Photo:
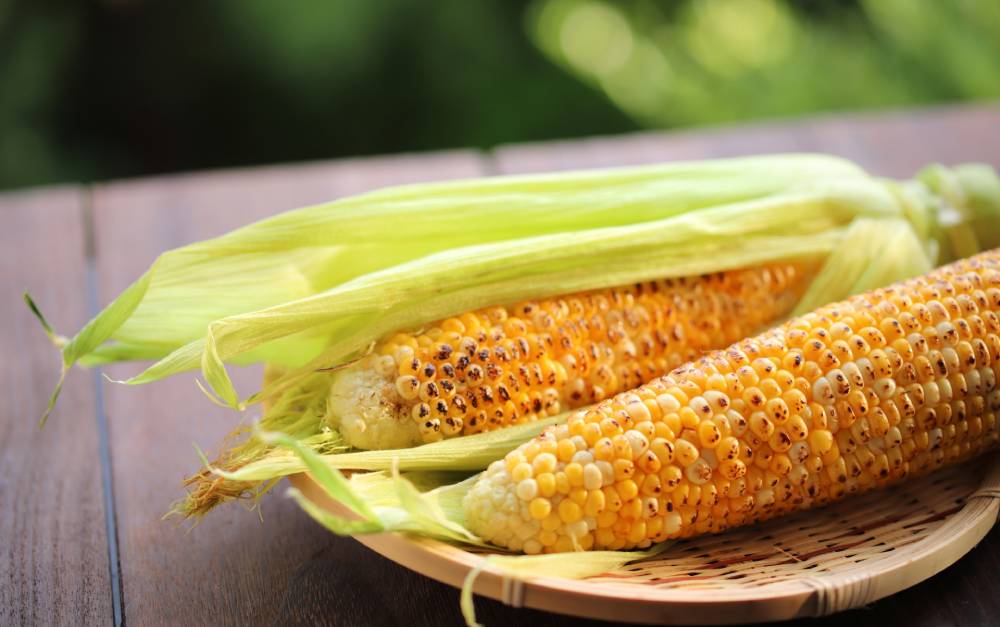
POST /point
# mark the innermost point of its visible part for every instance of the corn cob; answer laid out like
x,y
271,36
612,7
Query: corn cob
x,y
507,365
855,395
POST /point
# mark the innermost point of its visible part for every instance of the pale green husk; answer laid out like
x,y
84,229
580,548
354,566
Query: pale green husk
x,y
425,503
328,280
312,289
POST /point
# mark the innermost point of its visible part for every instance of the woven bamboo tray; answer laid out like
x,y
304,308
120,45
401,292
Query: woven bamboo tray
x,y
811,563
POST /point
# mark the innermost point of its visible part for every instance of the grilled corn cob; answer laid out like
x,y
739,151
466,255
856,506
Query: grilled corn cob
x,y
889,384
508,365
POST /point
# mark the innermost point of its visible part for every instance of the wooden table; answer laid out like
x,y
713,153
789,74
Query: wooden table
x,y
81,502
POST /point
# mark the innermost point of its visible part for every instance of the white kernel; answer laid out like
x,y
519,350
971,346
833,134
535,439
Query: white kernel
x,y
867,370
527,489
885,388
672,523
544,462
592,477
893,437
944,386
668,403
934,439
989,379
577,529
799,452
822,391
637,441
932,394
607,471
699,472
974,381
385,365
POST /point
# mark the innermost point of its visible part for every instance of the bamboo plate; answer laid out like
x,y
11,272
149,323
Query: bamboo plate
x,y
811,563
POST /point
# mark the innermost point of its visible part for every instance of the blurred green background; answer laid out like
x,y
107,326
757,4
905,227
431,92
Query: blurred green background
x,y
92,90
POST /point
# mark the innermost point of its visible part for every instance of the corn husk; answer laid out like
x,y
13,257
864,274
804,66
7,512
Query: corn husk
x,y
312,289
425,503
309,291
328,280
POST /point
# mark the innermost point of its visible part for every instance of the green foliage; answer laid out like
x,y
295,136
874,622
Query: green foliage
x,y
100,89
700,61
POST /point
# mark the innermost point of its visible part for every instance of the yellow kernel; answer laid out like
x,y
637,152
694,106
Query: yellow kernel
x,y
689,419
727,448
627,489
565,450
594,504
540,508
708,434
521,472
513,459
685,452
591,432
637,532
631,510
603,450
623,469
780,464
671,475
732,468
820,441
551,522
574,474
569,511
546,484
562,483
544,462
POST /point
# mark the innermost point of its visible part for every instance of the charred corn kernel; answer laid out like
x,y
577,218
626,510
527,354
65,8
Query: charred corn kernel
x,y
875,413
535,359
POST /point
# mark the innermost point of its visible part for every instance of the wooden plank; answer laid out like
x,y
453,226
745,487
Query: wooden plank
x,y
886,143
232,568
54,564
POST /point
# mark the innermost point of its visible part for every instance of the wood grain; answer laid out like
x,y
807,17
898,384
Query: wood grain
x,y
892,143
232,568
53,548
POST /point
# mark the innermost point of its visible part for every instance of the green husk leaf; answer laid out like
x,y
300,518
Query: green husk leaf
x,y
382,502
298,412
468,453
458,280
333,277
295,255
872,253
335,484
